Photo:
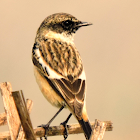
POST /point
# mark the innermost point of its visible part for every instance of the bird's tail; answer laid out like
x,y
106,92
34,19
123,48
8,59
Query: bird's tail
x,y
86,128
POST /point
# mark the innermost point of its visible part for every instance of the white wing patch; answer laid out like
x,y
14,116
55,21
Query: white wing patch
x,y
52,73
83,75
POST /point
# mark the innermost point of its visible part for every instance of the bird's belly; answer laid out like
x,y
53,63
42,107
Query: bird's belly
x,y
47,90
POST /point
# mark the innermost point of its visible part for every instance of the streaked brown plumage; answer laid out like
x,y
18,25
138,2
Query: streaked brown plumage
x,y
61,57
58,66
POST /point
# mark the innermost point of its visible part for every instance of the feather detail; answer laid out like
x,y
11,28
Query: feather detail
x,y
59,60
61,65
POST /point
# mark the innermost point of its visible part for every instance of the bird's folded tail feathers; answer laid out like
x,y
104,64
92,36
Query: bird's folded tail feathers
x,y
86,128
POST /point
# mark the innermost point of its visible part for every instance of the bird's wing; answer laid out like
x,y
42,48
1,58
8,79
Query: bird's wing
x,y
73,92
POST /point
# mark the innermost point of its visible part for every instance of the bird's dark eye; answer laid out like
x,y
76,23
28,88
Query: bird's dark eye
x,y
68,24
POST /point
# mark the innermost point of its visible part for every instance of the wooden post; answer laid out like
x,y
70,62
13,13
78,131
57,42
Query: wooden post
x,y
11,116
10,109
98,130
24,115
21,134
3,117
3,121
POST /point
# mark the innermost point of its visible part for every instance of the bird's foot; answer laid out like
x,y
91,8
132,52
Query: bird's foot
x,y
65,135
46,127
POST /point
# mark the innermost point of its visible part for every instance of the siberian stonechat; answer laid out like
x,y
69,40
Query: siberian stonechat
x,y
58,66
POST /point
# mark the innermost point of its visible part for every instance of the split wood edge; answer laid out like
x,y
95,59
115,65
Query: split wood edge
x,y
3,117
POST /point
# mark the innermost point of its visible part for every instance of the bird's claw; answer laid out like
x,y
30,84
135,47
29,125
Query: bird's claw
x,y
65,135
46,127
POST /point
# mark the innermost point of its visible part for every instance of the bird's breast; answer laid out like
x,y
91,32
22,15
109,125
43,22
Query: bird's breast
x,y
47,90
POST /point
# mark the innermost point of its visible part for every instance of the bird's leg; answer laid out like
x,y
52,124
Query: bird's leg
x,y
65,126
46,126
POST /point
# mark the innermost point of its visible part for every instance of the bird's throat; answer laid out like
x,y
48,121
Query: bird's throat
x,y
68,38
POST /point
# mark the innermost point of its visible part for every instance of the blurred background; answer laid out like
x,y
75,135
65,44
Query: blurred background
x,y
110,50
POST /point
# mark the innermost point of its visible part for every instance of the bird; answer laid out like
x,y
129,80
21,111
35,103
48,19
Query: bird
x,y
58,67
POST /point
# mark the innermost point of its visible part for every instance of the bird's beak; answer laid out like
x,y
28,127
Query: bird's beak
x,y
84,24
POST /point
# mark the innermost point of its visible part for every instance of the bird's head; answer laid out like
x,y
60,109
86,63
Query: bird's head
x,y
62,23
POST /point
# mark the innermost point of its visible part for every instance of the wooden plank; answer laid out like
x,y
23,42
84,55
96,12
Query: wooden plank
x,y
21,134
3,118
10,109
24,115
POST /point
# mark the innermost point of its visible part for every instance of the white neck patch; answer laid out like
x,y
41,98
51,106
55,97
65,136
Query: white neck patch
x,y
62,37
